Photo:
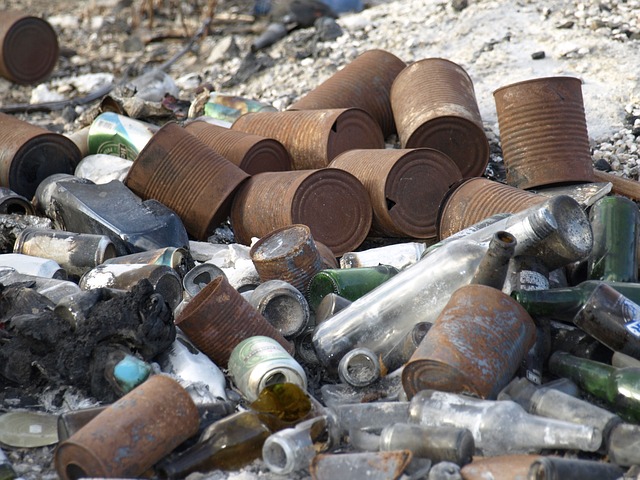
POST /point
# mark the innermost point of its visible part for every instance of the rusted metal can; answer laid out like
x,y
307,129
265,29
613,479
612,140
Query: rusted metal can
x,y
331,202
11,202
405,186
29,154
434,105
475,346
178,170
543,132
315,137
502,467
258,362
218,318
77,253
132,434
252,153
472,200
289,254
364,83
28,47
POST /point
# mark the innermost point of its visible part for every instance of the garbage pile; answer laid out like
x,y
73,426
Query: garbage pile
x,y
284,289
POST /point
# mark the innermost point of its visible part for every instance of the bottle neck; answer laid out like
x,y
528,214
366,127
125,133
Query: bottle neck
x,y
594,377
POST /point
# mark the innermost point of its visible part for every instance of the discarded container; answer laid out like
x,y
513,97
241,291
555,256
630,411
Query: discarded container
x,y
218,318
178,170
12,203
331,202
114,134
363,83
26,429
175,257
230,107
283,305
359,367
475,199
401,353
35,265
28,48
556,468
314,138
399,255
474,347
434,106
372,465
406,187
29,154
501,467
132,434
51,288
543,131
252,153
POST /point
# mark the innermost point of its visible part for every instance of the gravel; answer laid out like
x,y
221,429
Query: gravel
x,y
498,42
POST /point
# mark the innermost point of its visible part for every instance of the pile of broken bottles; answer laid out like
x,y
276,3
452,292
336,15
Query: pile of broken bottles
x,y
495,330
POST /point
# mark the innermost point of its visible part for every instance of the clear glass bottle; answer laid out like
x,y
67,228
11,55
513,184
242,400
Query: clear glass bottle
x,y
501,427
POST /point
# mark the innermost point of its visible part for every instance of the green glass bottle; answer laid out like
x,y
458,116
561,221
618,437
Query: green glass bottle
x,y
6,470
619,387
349,283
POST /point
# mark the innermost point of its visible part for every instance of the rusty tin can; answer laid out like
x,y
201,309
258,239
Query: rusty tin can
x,y
132,434
434,105
252,153
218,318
289,254
364,83
315,137
543,132
405,186
29,154
475,346
331,202
28,48
502,467
181,172
474,199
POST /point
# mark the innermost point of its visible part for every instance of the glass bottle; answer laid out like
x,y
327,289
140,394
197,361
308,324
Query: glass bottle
x,y
399,255
619,387
6,469
501,427
557,468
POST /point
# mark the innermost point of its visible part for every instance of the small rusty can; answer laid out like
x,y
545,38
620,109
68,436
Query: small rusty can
x,y
28,48
405,186
331,202
364,83
132,434
543,132
257,362
252,153
178,170
315,137
434,105
475,346
474,199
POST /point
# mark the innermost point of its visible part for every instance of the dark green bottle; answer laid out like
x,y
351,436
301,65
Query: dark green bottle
x,y
619,387
349,283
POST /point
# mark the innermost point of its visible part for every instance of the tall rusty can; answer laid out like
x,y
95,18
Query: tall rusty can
x,y
405,186
289,254
364,83
475,345
181,172
218,318
252,153
331,202
132,434
29,154
315,137
543,132
28,48
434,105
475,199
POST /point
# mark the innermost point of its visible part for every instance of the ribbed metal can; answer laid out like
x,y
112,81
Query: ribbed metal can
x,y
132,434
218,318
543,132
28,48
475,199
29,154
331,202
364,83
181,172
434,105
405,186
475,346
252,153
315,137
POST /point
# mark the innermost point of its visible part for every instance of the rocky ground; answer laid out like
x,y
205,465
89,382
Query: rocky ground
x,y
495,41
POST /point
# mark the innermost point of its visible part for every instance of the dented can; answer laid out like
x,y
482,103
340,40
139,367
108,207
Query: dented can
x,y
177,258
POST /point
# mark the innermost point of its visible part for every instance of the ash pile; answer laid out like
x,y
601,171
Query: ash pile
x,y
365,282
